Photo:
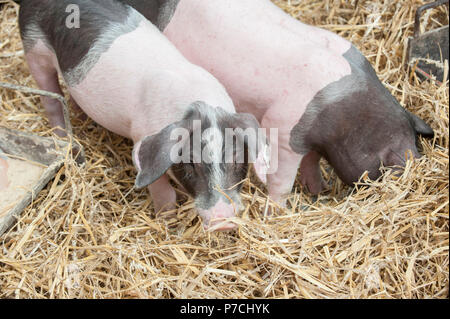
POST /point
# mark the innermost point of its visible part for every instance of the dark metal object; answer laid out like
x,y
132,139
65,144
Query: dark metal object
x,y
428,51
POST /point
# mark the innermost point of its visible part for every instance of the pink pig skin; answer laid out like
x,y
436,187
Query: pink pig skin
x,y
274,85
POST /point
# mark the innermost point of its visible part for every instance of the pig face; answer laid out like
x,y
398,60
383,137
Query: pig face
x,y
356,124
195,150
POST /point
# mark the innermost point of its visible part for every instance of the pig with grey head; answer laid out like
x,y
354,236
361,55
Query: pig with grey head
x,y
123,73
314,86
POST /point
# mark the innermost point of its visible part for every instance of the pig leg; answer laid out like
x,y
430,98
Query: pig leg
x,y
78,110
163,194
310,175
46,78
280,182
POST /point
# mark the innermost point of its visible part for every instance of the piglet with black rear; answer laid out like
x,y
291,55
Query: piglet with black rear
x,y
312,85
125,75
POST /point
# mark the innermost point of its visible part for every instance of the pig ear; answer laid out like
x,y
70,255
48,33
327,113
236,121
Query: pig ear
x,y
151,156
262,161
420,126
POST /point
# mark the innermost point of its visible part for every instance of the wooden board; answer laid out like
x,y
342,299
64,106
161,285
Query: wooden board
x,y
27,163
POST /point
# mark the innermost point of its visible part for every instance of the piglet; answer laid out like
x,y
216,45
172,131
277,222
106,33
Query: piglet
x,y
124,74
314,86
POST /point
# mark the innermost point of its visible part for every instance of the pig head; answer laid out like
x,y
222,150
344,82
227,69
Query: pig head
x,y
194,149
356,124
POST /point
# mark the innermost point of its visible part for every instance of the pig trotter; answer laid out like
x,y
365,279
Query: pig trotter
x,y
163,195
310,175
280,183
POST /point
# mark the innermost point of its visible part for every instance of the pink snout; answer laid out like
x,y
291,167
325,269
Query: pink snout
x,y
215,218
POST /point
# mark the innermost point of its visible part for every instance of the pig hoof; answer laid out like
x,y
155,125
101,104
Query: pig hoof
x,y
60,132
313,186
220,226
82,116
279,204
165,209
78,154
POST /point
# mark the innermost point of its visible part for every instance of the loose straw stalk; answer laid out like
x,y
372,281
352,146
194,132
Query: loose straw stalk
x,y
44,93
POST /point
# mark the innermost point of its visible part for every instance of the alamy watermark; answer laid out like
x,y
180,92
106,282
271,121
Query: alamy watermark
x,y
73,17
233,145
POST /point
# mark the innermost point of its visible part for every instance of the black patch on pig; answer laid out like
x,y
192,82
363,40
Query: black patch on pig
x,y
159,12
356,124
195,177
47,18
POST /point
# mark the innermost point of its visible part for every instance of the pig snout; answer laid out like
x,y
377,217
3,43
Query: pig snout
x,y
399,158
215,218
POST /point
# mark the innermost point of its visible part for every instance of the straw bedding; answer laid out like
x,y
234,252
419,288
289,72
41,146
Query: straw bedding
x,y
89,234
